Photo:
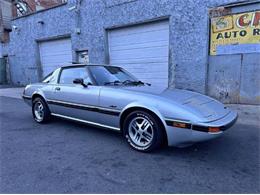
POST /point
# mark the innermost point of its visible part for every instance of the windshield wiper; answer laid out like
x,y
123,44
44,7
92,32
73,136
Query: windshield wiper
x,y
127,82
113,82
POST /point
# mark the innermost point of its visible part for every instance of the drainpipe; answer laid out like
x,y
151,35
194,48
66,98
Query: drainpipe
x,y
78,3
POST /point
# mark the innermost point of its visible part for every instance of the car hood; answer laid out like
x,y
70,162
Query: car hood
x,y
206,108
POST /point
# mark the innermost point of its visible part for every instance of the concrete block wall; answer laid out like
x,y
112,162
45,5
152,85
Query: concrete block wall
x,y
250,80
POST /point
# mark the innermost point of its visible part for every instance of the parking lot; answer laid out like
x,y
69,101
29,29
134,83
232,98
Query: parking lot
x,y
67,157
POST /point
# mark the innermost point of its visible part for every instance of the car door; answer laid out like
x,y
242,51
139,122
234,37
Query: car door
x,y
75,100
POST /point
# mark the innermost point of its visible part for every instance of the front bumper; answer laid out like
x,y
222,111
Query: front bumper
x,y
27,99
198,132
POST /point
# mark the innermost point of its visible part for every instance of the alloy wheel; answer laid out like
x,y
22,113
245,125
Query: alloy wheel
x,y
38,111
141,131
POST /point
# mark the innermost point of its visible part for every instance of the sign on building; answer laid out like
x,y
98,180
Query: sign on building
x,y
238,33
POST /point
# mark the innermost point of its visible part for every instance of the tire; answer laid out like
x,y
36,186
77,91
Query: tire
x,y
40,111
143,131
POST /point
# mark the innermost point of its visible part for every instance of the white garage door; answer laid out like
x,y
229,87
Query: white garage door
x,y
142,50
54,54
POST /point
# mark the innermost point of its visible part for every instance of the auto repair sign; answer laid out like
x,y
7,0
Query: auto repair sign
x,y
238,33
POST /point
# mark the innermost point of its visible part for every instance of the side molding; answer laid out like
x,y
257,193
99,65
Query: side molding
x,y
85,107
86,122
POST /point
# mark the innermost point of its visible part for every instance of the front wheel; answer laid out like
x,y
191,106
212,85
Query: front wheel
x,y
40,111
143,131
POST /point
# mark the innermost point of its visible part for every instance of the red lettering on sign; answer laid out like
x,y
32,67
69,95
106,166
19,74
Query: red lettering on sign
x,y
256,20
241,21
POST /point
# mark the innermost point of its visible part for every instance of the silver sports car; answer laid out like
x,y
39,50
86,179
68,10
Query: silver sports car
x,y
112,98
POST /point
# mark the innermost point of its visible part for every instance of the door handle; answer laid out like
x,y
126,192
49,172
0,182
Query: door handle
x,y
57,88
112,106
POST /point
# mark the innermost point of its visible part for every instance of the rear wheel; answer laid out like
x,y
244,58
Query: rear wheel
x,y
40,111
143,131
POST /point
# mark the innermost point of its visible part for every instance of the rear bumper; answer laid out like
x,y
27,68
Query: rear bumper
x,y
199,132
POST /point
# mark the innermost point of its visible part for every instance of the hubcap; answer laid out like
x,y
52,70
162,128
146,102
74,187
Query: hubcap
x,y
141,131
38,111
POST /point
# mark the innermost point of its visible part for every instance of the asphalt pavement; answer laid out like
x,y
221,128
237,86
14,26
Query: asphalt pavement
x,y
67,157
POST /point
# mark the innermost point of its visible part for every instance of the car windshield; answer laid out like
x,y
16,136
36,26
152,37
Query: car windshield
x,y
108,75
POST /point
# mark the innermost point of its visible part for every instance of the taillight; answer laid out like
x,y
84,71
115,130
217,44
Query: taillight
x,y
214,129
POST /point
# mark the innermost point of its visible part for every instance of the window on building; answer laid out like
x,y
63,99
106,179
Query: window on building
x,y
23,7
83,57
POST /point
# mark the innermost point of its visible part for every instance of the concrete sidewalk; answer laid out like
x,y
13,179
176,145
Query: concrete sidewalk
x,y
12,92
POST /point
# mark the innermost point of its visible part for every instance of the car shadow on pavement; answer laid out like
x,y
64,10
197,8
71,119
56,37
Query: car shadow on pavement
x,y
223,145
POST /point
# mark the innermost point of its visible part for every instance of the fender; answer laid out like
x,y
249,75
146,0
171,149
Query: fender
x,y
39,92
145,106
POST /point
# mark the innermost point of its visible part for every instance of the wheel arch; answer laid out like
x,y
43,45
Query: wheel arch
x,y
38,94
153,112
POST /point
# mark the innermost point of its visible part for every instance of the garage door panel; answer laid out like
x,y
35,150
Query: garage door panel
x,y
150,78
140,53
140,45
147,49
60,56
48,70
151,60
125,43
153,73
138,34
152,67
55,54
140,29
55,43
146,35
142,50
53,61
141,38
58,52
57,46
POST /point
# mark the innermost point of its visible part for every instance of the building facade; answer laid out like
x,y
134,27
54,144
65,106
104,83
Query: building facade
x,y
164,42
5,19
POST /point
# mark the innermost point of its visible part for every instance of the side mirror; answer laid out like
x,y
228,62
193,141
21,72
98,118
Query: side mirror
x,y
80,81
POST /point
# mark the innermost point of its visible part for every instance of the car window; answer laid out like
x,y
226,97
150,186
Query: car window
x,y
52,77
106,74
68,75
47,78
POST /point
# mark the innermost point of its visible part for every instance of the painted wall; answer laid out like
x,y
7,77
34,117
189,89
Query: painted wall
x,y
234,78
188,35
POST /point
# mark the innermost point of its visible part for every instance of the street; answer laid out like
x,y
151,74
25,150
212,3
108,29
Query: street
x,y
67,157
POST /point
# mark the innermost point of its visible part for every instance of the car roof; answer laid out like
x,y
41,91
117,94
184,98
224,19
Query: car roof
x,y
74,65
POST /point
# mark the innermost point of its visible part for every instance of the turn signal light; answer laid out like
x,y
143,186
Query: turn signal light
x,y
180,125
214,129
